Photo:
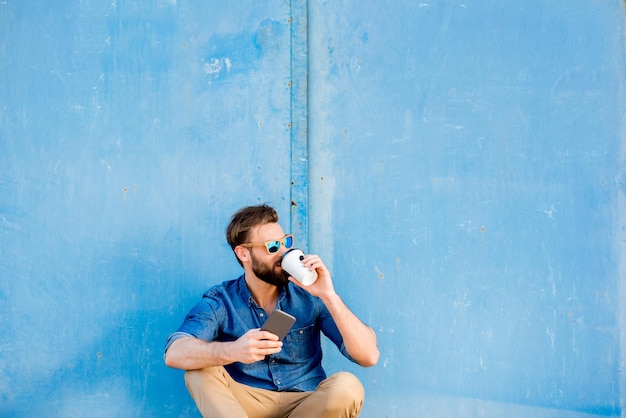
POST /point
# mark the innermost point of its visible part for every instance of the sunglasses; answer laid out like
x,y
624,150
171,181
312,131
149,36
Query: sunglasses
x,y
272,246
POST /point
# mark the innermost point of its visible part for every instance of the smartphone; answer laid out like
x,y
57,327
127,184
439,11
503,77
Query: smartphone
x,y
278,323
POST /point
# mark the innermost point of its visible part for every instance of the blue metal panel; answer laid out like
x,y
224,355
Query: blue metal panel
x,y
129,133
467,166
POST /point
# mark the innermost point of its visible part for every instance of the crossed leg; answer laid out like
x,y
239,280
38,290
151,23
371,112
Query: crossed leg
x,y
217,395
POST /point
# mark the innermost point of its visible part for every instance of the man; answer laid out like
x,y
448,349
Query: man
x,y
236,370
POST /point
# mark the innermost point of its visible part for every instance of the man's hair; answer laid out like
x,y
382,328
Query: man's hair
x,y
246,219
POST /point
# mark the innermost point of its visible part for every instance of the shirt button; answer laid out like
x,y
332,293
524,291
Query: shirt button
x,y
301,332
278,382
261,314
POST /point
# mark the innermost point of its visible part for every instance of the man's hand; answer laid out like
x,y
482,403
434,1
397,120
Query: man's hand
x,y
323,286
254,345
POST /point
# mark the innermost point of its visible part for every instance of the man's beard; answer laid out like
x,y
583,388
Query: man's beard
x,y
268,274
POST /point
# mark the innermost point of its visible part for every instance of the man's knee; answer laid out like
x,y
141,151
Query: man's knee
x,y
345,391
352,385
211,389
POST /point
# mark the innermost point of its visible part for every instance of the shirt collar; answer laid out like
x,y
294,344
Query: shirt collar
x,y
245,294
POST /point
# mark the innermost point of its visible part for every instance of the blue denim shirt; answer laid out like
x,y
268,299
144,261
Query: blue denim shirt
x,y
227,311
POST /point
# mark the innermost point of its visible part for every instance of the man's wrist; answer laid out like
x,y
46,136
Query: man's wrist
x,y
332,301
225,353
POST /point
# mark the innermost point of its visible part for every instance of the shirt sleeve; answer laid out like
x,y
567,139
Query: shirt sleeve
x,y
201,322
175,336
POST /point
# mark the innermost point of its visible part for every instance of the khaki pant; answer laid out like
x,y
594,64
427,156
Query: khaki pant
x,y
217,395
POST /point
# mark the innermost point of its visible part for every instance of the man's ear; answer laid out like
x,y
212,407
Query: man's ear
x,y
242,253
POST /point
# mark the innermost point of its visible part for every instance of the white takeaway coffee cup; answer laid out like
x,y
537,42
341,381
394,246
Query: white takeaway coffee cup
x,y
292,264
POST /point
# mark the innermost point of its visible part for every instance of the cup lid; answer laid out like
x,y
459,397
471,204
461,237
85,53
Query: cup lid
x,y
290,250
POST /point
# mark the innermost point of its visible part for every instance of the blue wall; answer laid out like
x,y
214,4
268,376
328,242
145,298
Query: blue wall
x,y
471,166
459,166
129,133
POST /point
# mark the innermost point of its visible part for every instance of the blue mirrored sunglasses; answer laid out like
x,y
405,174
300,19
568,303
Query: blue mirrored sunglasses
x,y
272,246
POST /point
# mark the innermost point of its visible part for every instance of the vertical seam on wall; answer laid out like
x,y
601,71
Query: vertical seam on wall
x,y
299,122
620,182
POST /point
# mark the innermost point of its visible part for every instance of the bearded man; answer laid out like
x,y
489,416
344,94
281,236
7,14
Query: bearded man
x,y
235,369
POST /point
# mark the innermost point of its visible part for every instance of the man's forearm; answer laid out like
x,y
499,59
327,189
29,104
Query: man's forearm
x,y
359,339
190,353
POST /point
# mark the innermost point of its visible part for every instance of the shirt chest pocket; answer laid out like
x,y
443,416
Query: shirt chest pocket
x,y
302,344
